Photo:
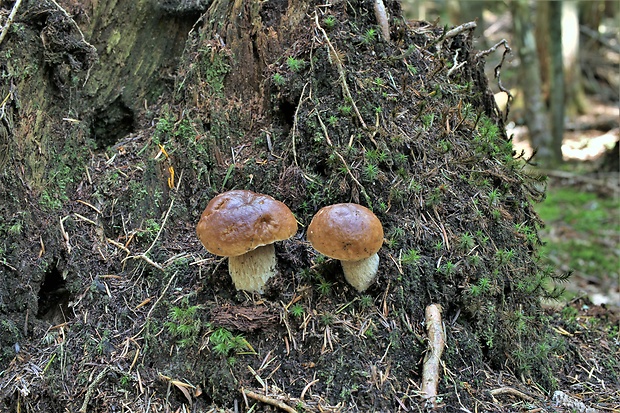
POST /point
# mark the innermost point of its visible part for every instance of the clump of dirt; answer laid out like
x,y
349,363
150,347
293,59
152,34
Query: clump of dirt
x,y
312,106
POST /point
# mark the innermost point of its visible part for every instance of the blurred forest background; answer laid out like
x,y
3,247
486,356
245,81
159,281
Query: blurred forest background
x,y
563,79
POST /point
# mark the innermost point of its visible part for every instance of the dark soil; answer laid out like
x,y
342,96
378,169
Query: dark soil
x,y
110,303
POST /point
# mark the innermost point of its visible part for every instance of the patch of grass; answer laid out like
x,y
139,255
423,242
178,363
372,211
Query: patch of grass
x,y
324,286
411,257
582,232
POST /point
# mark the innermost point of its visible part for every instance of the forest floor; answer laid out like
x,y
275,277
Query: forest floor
x,y
582,236
133,338
592,333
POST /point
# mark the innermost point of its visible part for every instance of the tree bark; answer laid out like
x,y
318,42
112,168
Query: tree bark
x,y
575,98
557,84
530,81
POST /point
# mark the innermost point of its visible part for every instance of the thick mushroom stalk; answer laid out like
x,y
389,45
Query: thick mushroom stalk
x,y
251,271
361,274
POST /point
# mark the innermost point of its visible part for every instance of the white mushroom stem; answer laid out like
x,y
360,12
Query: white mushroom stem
x,y
361,274
436,344
251,270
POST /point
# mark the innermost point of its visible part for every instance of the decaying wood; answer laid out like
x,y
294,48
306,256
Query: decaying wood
x,y
436,344
240,318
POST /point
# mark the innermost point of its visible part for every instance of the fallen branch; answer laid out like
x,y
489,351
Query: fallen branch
x,y
9,21
436,343
268,400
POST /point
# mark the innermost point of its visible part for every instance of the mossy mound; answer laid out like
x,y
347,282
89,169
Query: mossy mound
x,y
309,104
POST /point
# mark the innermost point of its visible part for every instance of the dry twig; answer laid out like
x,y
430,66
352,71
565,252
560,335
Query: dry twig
x,y
9,21
301,101
268,400
343,77
512,392
460,29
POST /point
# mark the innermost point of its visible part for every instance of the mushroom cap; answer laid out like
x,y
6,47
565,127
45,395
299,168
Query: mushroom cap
x,y
239,221
346,232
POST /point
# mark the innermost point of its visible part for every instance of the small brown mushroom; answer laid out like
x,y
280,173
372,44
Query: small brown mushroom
x,y
243,225
352,234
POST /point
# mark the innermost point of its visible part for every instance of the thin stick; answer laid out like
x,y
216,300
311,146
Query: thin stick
x,y
493,48
460,29
436,343
269,400
161,228
512,392
9,21
148,315
65,236
301,101
341,72
91,388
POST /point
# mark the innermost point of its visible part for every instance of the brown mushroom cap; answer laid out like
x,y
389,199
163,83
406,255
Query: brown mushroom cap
x,y
346,232
239,221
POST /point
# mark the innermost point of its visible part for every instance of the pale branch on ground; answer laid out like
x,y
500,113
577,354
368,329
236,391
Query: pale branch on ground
x,y
382,19
432,360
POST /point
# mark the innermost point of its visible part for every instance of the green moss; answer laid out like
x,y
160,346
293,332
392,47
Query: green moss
x,y
214,67
113,40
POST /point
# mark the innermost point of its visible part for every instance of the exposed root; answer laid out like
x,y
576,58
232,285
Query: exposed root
x,y
436,343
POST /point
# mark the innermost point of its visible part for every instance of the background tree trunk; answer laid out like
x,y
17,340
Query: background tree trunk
x,y
575,98
543,45
557,85
530,81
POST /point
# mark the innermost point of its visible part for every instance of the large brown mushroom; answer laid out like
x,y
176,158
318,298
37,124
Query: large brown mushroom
x,y
352,234
243,225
